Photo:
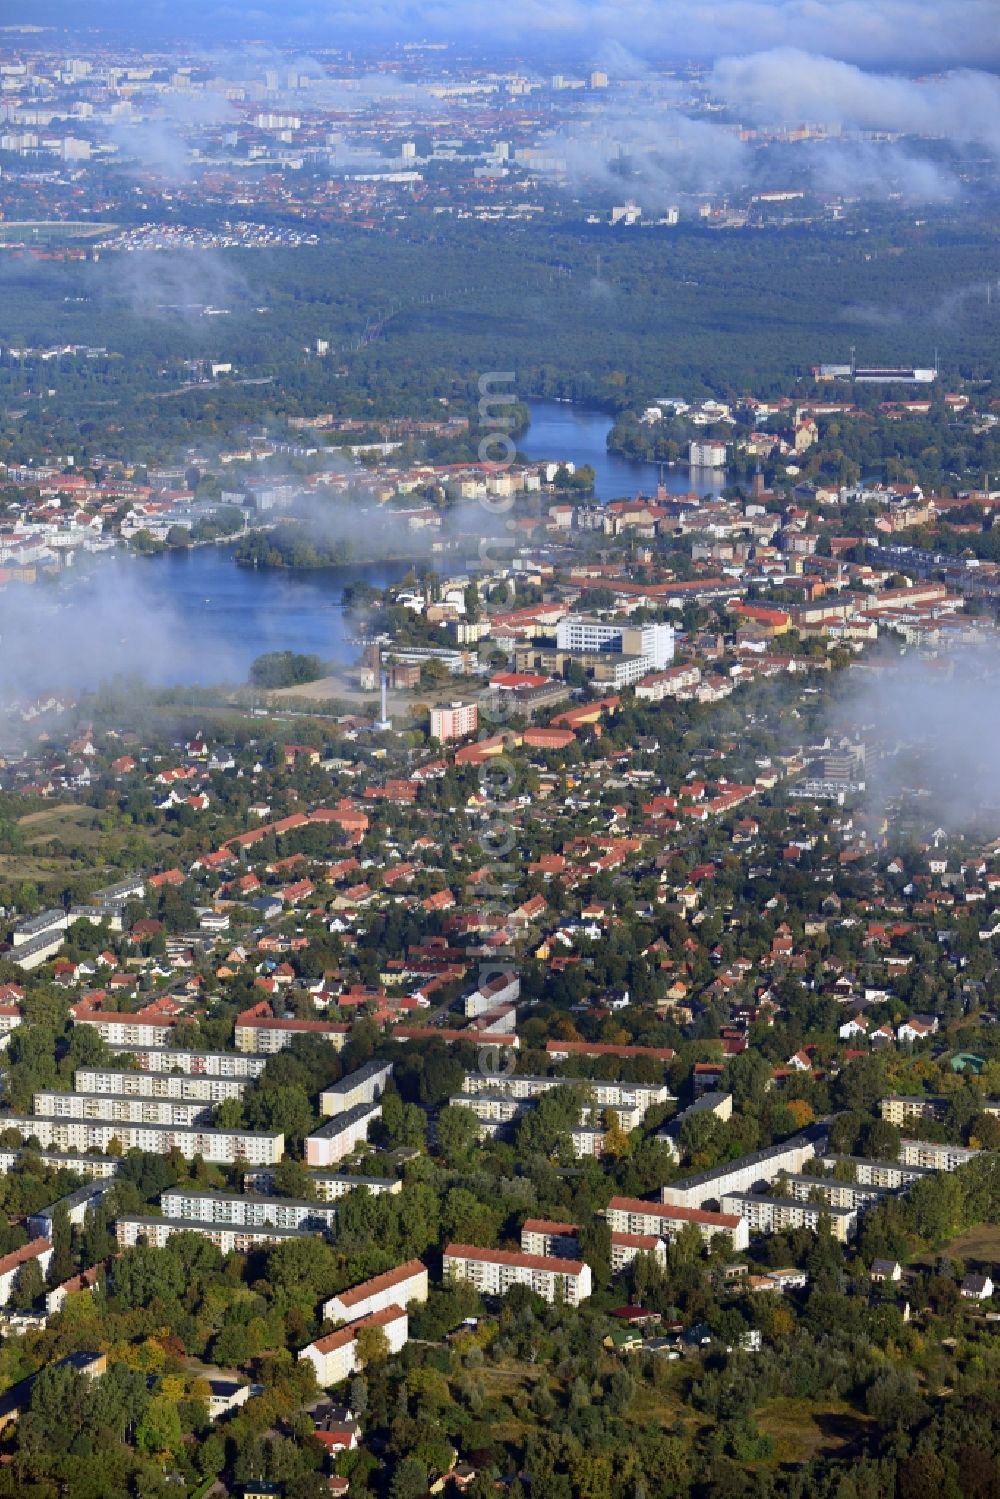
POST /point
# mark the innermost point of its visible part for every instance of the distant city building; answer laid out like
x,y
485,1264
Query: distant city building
x,y
707,454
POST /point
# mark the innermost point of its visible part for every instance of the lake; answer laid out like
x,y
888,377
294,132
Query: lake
x,y
194,617
559,430
189,617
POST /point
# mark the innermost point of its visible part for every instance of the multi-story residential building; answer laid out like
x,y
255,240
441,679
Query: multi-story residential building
x,y
676,681
29,955
772,1215
745,1174
934,1154
11,1016
856,1195
207,1090
587,1141
260,1031
120,1029
551,1240
897,1109
228,1238
111,1107
338,1137
245,1210
399,1287
626,1247
330,1185
217,1146
455,721
160,1059
335,1356
33,927
11,1265
495,1112
502,988
889,1175
707,454
365,1085
561,1051
101,1166
634,1215
494,1271
512,1085
75,1204
607,1095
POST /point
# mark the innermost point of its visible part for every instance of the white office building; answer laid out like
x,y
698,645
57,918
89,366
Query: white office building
x,y
653,642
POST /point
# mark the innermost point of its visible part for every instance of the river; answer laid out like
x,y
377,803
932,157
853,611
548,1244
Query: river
x,y
194,617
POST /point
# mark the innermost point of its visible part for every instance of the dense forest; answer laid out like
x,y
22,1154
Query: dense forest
x,y
575,313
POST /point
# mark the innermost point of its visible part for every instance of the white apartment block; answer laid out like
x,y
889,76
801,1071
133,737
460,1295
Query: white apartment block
x,y
399,1287
112,1107
836,1194
45,923
494,1112
676,681
634,1215
249,1211
550,1240
53,1160
587,1142
771,1215
748,1173
889,1175
164,1059
217,1146
128,1031
30,955
11,1017
39,1250
494,1271
627,1247
366,1085
338,1137
934,1155
330,1186
207,1090
898,1110
335,1357
607,1095
228,1238
502,989
707,454
264,1035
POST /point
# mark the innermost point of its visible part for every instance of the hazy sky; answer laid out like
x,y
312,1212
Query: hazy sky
x,y
902,34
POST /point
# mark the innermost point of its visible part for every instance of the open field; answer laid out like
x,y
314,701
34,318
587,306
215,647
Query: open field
x,y
64,820
801,1430
977,1247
